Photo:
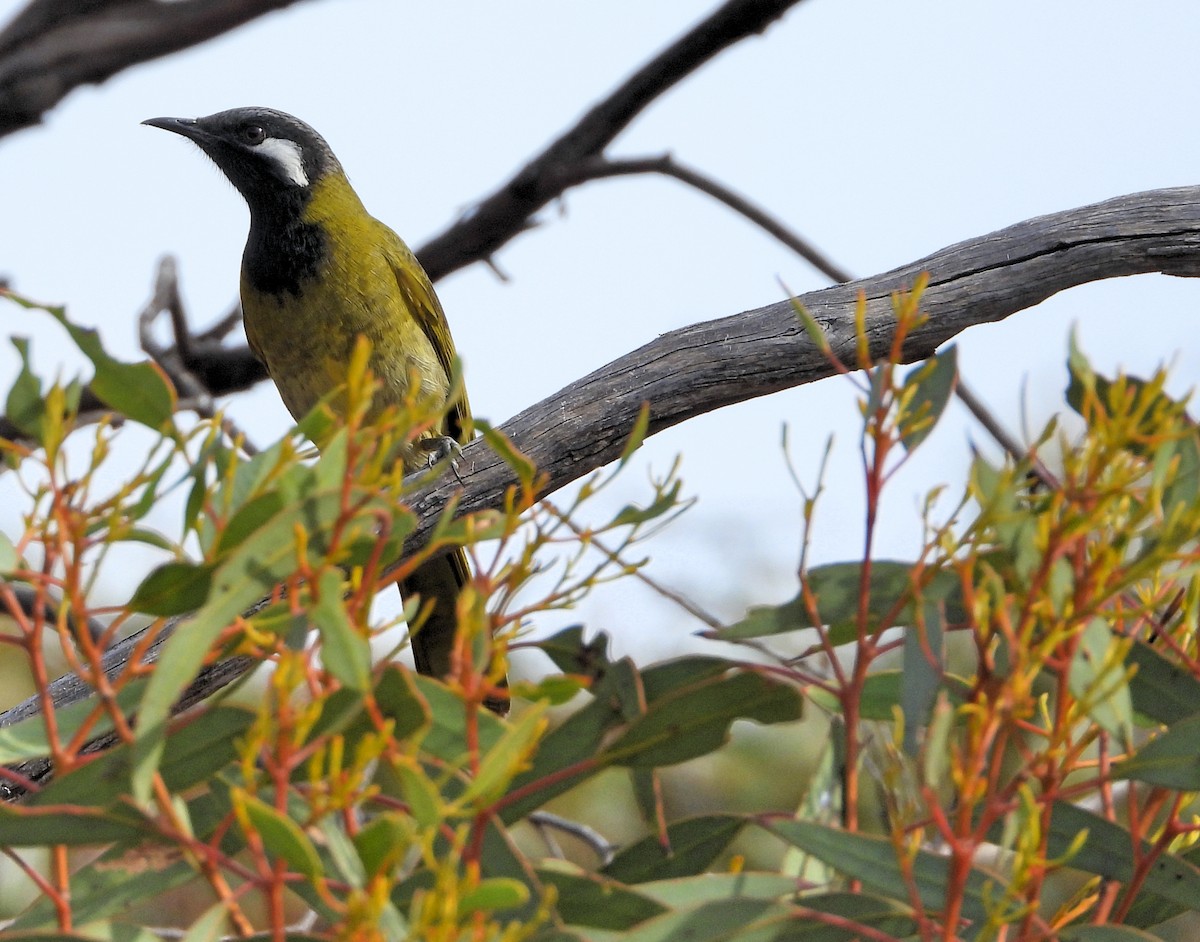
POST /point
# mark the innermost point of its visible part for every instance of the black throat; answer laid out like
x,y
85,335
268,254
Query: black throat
x,y
283,251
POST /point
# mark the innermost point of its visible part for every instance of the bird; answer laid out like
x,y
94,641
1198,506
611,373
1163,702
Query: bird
x,y
318,271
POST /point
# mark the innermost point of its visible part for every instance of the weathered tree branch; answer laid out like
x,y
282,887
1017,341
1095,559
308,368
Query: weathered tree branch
x,y
53,46
710,365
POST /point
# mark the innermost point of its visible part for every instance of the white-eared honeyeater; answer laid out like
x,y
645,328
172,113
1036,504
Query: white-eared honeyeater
x,y
318,271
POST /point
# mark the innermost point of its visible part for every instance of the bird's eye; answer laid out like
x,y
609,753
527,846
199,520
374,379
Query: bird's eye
x,y
252,134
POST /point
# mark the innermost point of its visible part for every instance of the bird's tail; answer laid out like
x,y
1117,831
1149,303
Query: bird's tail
x,y
440,580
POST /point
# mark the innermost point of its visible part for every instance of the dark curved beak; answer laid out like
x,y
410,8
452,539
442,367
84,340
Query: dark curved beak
x,y
185,126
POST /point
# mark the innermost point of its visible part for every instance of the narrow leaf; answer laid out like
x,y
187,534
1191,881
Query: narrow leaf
x,y
1172,760
693,845
173,589
496,893
26,406
696,720
1161,690
280,835
140,391
930,386
1097,677
873,861
589,899
507,757
345,651
836,588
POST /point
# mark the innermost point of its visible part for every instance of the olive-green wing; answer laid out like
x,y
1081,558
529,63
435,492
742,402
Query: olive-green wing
x,y
417,291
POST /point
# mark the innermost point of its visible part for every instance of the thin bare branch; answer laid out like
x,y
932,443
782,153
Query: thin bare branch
x,y
545,821
509,210
1015,449
173,360
599,168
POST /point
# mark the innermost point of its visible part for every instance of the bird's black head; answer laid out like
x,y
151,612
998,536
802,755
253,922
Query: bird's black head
x,y
265,153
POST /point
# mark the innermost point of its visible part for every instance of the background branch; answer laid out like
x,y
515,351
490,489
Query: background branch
x,y
508,211
53,46
601,168
706,366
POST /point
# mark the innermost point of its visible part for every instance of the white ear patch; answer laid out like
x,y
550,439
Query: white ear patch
x,y
288,156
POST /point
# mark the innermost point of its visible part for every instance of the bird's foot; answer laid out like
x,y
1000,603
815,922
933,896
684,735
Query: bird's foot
x,y
441,448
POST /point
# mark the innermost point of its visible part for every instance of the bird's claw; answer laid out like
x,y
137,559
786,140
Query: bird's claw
x,y
441,448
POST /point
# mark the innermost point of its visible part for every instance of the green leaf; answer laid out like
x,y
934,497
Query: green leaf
x,y
717,922
397,698
1106,934
123,877
501,858
146,537
1160,689
589,899
495,893
572,655
26,406
811,326
570,744
631,515
837,588
194,752
76,827
704,887
1184,486
1083,377
692,846
930,386
281,836
422,796
255,513
345,651
1109,852
210,927
922,679
173,589
1171,760
1150,908
873,861
1097,678
695,720
204,745
741,917
140,391
647,792
9,558
382,843
338,852
447,737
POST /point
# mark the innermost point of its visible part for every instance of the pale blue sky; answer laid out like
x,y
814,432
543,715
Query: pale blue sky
x,y
880,129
